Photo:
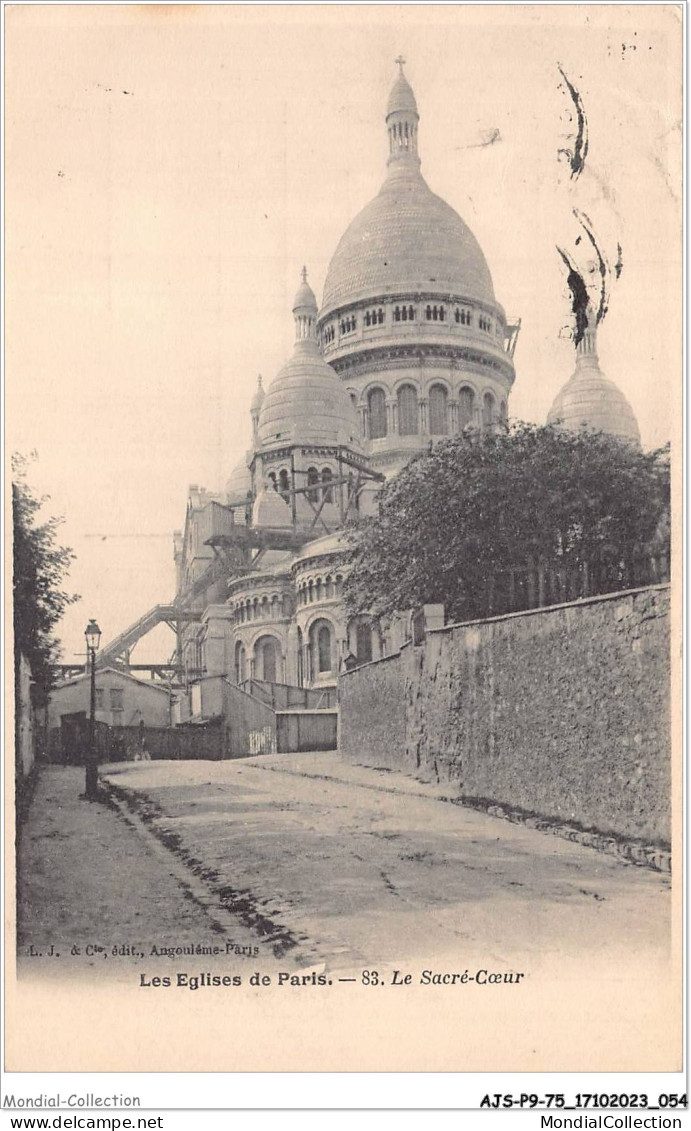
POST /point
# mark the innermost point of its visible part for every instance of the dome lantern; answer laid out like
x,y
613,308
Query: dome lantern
x,y
402,120
305,311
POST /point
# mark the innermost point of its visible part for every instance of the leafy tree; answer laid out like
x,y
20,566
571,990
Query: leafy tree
x,y
483,503
39,568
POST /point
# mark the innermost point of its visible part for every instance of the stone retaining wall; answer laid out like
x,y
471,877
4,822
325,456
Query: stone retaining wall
x,y
562,712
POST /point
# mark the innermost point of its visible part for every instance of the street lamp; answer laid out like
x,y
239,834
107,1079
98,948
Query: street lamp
x,y
92,636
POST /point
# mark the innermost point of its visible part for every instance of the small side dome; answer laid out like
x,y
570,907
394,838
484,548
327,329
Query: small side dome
x,y
270,509
239,482
590,400
306,402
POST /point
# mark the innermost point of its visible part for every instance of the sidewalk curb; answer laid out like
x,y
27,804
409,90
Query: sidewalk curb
x,y
202,884
628,851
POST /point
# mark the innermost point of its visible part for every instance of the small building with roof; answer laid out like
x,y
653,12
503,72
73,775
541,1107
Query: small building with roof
x,y
121,700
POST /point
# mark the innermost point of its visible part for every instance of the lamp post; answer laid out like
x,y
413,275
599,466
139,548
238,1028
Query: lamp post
x,y
92,635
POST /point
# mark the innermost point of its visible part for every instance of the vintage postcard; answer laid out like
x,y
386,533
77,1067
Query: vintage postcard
x,y
344,669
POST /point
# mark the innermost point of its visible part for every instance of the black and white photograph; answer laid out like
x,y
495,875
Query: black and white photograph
x,y
343,385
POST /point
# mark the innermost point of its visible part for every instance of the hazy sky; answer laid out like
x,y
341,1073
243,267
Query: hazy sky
x,y
170,169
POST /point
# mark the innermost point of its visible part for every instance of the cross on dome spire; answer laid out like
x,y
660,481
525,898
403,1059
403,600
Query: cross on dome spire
x,y
304,274
400,61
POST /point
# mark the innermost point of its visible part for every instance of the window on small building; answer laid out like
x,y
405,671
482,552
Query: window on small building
x,y
438,411
376,405
100,697
116,698
408,424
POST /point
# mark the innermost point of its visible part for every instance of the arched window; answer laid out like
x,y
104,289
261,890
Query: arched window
x,y
310,591
503,412
272,480
266,659
487,410
466,407
438,411
301,660
407,411
327,491
318,589
363,643
320,649
324,648
265,606
284,484
329,587
255,608
312,477
376,405
275,607
240,663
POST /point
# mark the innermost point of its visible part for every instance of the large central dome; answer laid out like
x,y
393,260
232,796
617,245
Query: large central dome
x,y
406,240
